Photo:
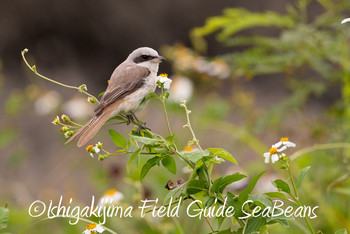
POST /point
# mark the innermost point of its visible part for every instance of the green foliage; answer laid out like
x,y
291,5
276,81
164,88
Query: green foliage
x,y
4,217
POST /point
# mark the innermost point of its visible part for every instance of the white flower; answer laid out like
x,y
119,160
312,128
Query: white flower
x,y
93,228
181,88
77,108
273,153
163,78
111,197
93,149
47,102
285,142
345,20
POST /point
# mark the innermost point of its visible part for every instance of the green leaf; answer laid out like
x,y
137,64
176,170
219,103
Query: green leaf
x,y
264,200
149,96
254,224
118,139
221,183
146,140
173,192
147,166
117,118
101,94
195,155
277,195
195,186
243,196
341,231
4,217
169,163
223,154
132,158
301,175
7,136
281,185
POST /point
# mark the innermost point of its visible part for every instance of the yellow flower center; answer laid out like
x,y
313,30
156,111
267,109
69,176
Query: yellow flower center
x,y
89,148
91,226
273,150
108,81
284,139
110,192
189,148
163,75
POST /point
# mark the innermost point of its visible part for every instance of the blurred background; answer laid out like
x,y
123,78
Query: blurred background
x,y
252,72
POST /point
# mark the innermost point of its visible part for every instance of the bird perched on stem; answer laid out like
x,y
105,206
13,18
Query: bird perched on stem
x,y
129,84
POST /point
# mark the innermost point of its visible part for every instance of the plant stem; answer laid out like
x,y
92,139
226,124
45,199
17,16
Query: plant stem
x,y
296,198
188,125
33,69
206,219
165,112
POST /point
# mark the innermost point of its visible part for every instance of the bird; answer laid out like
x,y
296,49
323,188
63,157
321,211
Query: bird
x,y
129,84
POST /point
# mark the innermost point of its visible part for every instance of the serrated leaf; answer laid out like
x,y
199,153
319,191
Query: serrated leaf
x,y
194,156
132,158
195,186
302,175
146,140
169,163
147,166
4,217
282,185
221,183
118,139
223,154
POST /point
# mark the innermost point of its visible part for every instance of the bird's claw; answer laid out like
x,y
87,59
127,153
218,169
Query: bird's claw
x,y
141,127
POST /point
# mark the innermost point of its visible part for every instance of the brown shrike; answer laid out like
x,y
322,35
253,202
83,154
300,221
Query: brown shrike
x,y
129,84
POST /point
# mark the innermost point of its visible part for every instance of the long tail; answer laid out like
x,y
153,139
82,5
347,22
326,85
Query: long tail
x,y
90,129
93,129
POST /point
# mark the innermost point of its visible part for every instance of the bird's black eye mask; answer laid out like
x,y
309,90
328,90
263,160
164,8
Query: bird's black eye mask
x,y
143,58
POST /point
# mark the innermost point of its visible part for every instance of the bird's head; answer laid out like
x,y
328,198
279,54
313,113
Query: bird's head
x,y
146,57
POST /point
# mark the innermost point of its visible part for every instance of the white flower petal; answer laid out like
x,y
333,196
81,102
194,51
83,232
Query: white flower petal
x,y
99,229
274,158
345,20
267,154
267,159
97,150
282,149
289,144
278,144
87,232
92,155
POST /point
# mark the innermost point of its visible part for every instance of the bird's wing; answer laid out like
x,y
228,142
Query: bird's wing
x,y
125,80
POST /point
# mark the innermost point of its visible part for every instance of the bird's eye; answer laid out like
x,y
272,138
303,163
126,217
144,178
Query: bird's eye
x,y
145,57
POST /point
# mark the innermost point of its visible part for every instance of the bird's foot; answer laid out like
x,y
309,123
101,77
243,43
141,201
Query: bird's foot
x,y
129,120
142,126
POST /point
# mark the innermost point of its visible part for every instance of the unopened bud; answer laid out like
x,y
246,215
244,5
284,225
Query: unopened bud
x,y
65,128
65,118
92,100
56,121
82,88
68,134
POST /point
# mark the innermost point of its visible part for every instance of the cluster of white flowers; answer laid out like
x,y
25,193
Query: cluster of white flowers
x,y
163,79
276,150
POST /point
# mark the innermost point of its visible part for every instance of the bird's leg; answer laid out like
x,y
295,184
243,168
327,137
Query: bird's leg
x,y
141,125
130,118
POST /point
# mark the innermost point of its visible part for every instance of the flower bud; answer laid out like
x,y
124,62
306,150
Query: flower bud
x,y
65,128
56,121
82,88
68,134
92,100
65,118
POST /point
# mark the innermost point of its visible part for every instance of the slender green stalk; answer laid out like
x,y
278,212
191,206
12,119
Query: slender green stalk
x,y
296,198
189,126
33,69
319,147
165,112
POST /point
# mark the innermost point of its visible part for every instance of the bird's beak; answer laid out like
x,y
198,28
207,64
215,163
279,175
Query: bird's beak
x,y
160,59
